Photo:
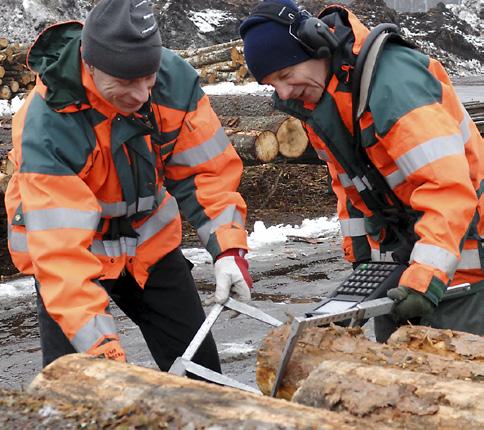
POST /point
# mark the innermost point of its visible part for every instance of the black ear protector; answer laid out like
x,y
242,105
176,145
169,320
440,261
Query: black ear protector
x,y
312,33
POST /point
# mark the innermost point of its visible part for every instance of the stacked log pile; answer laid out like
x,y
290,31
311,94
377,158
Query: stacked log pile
x,y
219,63
15,77
260,134
476,112
422,377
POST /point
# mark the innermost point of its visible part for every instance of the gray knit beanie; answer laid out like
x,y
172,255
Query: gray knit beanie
x,y
121,38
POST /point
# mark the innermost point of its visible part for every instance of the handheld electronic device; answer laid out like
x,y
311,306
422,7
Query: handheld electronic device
x,y
367,282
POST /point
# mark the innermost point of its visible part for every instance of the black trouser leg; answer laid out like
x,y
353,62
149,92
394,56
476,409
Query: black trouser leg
x,y
53,341
168,311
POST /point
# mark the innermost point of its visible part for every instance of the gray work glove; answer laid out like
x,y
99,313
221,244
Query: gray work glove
x,y
409,304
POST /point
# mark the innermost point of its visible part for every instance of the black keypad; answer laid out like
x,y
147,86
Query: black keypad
x,y
370,280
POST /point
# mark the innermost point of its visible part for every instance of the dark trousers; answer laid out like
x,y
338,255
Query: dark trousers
x,y
461,314
168,312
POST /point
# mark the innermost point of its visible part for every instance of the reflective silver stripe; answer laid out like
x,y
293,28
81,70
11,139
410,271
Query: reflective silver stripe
x,y
376,255
465,126
359,184
97,247
353,227
230,214
432,150
120,208
469,259
366,182
115,248
48,219
18,241
203,152
322,154
395,178
145,203
92,331
165,214
113,209
345,180
434,256
131,209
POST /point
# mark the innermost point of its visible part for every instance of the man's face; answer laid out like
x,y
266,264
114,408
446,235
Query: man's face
x,y
126,95
304,81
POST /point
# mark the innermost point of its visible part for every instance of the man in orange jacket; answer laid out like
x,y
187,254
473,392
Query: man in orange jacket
x,y
117,138
407,166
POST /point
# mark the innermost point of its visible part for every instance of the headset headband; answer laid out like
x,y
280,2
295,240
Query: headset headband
x,y
276,12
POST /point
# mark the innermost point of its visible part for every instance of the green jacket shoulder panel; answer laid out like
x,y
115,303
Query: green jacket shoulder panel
x,y
177,84
402,83
55,143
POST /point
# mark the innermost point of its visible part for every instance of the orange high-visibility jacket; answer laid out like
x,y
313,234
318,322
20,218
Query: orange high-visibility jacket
x,y
420,138
95,192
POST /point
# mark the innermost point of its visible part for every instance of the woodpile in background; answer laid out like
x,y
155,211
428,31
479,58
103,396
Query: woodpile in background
x,y
219,63
15,77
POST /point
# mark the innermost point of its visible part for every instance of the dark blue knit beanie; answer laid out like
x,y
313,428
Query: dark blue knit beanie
x,y
268,46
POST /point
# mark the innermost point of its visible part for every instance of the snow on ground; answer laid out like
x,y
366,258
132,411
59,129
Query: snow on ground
x,y
209,19
261,242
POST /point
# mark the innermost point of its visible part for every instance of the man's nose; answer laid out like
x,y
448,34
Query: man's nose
x,y
283,91
140,92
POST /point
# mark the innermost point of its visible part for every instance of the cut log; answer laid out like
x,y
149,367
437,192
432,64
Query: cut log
x,y
350,345
292,138
403,398
175,402
3,42
196,51
266,146
5,92
254,137
210,57
14,85
235,105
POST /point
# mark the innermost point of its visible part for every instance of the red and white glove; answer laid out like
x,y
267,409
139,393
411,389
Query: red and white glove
x,y
231,277
108,348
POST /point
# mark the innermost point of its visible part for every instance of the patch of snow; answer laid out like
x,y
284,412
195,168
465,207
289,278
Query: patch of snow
x,y
209,19
230,88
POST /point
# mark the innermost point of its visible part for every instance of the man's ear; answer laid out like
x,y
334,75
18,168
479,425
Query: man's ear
x,y
89,68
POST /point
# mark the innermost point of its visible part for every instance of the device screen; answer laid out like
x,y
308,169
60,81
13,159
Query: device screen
x,y
334,306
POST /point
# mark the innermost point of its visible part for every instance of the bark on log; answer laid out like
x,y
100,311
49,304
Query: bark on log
x,y
216,56
350,345
194,51
178,402
254,137
404,398
234,105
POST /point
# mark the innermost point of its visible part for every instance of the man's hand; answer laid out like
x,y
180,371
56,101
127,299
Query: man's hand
x,y
409,304
109,348
231,276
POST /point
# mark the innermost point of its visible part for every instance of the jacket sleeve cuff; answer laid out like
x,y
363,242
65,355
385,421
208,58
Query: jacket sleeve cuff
x,y
426,281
